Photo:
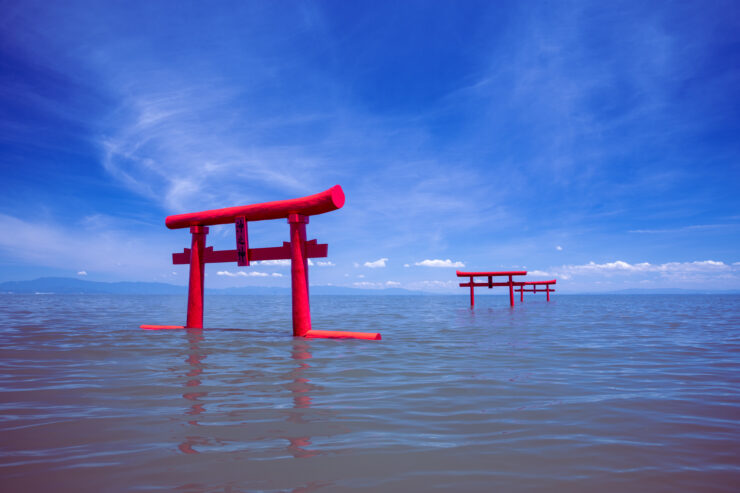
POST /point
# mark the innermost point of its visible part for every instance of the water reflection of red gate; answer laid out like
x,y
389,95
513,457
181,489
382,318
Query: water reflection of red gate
x,y
300,387
195,360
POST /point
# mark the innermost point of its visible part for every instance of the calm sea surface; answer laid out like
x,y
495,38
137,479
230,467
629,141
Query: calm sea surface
x,y
585,393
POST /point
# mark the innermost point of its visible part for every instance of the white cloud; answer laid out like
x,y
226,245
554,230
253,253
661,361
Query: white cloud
x,y
241,273
271,262
82,273
696,271
392,283
692,228
377,263
538,273
668,267
559,248
406,265
98,247
432,284
367,284
276,274
440,263
327,263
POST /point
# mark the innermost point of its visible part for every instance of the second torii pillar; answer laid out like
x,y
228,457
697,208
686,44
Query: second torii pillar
x,y
196,282
299,274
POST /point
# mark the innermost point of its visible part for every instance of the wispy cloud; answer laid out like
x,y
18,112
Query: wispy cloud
x,y
432,285
690,229
376,263
102,250
251,273
367,284
271,262
440,263
700,270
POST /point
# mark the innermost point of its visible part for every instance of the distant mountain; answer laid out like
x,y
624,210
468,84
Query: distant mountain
x,y
68,285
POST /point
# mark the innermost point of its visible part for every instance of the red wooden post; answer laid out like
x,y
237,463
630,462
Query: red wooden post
x,y
521,294
472,296
299,275
511,291
548,292
195,283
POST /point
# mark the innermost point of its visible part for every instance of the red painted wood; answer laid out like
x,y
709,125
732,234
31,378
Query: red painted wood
x,y
485,284
521,289
472,293
337,334
490,284
511,291
313,250
320,203
298,250
499,273
299,280
195,283
161,327
242,242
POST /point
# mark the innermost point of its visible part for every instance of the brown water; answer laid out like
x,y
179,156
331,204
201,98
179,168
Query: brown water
x,y
586,393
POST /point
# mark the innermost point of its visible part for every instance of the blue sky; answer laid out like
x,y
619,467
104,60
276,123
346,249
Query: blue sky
x,y
595,143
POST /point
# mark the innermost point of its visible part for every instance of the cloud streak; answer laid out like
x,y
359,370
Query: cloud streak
x,y
375,264
439,263
251,273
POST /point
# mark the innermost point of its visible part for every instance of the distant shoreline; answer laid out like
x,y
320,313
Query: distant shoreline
x,y
64,285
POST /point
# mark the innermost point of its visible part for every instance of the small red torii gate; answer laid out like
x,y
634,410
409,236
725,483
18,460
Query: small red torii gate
x,y
298,250
490,275
534,285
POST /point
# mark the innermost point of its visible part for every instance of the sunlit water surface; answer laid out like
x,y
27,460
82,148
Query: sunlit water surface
x,y
585,393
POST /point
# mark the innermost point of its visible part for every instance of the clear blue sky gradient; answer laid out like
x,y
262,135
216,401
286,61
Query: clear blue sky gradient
x,y
594,142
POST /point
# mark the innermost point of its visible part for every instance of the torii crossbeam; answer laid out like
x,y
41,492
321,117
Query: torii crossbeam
x,y
298,250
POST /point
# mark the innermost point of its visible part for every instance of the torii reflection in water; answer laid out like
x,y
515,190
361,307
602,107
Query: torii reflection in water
x,y
300,387
195,360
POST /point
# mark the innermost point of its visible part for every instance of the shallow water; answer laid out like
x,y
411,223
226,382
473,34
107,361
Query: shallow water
x,y
637,393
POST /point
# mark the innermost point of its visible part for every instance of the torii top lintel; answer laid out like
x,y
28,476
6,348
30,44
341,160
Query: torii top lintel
x,y
320,203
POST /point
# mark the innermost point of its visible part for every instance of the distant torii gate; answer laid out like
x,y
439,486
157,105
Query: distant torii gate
x,y
521,289
298,251
490,275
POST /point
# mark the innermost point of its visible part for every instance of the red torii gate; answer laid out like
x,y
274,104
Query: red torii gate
x,y
297,250
534,285
490,275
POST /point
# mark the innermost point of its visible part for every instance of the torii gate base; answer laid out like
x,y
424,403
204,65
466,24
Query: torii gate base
x,y
298,250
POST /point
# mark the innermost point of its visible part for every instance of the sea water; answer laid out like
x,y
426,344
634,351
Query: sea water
x,y
585,393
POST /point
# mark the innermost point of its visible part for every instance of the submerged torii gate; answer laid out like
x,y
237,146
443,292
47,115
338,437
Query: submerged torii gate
x,y
534,285
298,251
